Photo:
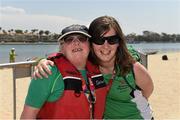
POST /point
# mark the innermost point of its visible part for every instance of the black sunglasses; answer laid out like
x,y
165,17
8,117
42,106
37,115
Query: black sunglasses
x,y
110,39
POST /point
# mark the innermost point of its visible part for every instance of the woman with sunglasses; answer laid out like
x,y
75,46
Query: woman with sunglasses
x,y
70,92
130,83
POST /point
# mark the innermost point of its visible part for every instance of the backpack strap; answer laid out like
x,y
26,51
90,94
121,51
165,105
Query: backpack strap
x,y
136,87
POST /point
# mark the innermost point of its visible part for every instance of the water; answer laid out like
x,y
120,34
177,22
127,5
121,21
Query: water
x,y
27,51
160,47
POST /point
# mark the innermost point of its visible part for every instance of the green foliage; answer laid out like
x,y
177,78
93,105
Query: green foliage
x,y
19,31
41,32
147,36
47,32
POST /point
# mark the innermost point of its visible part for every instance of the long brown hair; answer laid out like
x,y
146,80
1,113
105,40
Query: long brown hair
x,y
99,27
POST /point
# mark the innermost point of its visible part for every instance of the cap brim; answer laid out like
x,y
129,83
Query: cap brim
x,y
68,33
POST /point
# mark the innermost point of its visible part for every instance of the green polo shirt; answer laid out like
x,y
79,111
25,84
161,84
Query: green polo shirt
x,y
47,89
118,100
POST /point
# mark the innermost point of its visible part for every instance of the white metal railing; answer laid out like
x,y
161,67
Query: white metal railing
x,y
25,69
20,70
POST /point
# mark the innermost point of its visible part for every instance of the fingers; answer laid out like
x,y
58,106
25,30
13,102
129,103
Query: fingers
x,y
36,74
43,67
51,62
41,71
46,68
33,76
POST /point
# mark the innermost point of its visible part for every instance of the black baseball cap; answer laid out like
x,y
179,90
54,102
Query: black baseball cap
x,y
81,29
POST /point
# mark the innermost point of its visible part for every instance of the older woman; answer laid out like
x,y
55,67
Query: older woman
x,y
70,92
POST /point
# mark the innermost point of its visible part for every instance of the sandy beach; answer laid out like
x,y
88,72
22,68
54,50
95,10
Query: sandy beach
x,y
165,99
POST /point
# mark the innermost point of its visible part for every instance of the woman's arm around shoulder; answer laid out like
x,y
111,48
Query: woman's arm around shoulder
x,y
143,79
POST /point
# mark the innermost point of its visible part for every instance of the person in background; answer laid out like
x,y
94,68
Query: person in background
x,y
75,90
12,55
129,82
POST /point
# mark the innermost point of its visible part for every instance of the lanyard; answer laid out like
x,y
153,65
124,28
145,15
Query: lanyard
x,y
89,91
111,81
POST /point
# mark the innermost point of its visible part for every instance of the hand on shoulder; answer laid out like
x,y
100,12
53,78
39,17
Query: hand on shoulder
x,y
42,69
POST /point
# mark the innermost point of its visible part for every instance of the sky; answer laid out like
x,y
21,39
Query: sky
x,y
134,16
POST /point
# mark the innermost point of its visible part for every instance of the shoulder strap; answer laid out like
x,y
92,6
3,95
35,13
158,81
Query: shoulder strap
x,y
55,55
129,83
137,87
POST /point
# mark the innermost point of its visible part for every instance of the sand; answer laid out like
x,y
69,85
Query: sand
x,y
6,94
165,99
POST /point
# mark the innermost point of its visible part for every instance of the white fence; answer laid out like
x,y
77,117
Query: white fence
x,y
20,70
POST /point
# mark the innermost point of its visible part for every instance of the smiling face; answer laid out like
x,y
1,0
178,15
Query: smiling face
x,y
76,49
106,53
108,46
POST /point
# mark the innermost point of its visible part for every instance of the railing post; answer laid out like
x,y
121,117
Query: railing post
x,y
14,92
144,59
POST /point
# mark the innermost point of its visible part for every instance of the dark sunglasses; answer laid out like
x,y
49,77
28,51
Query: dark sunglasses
x,y
111,40
81,38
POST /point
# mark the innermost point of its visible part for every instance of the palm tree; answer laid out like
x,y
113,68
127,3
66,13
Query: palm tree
x,y
41,32
34,30
47,32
